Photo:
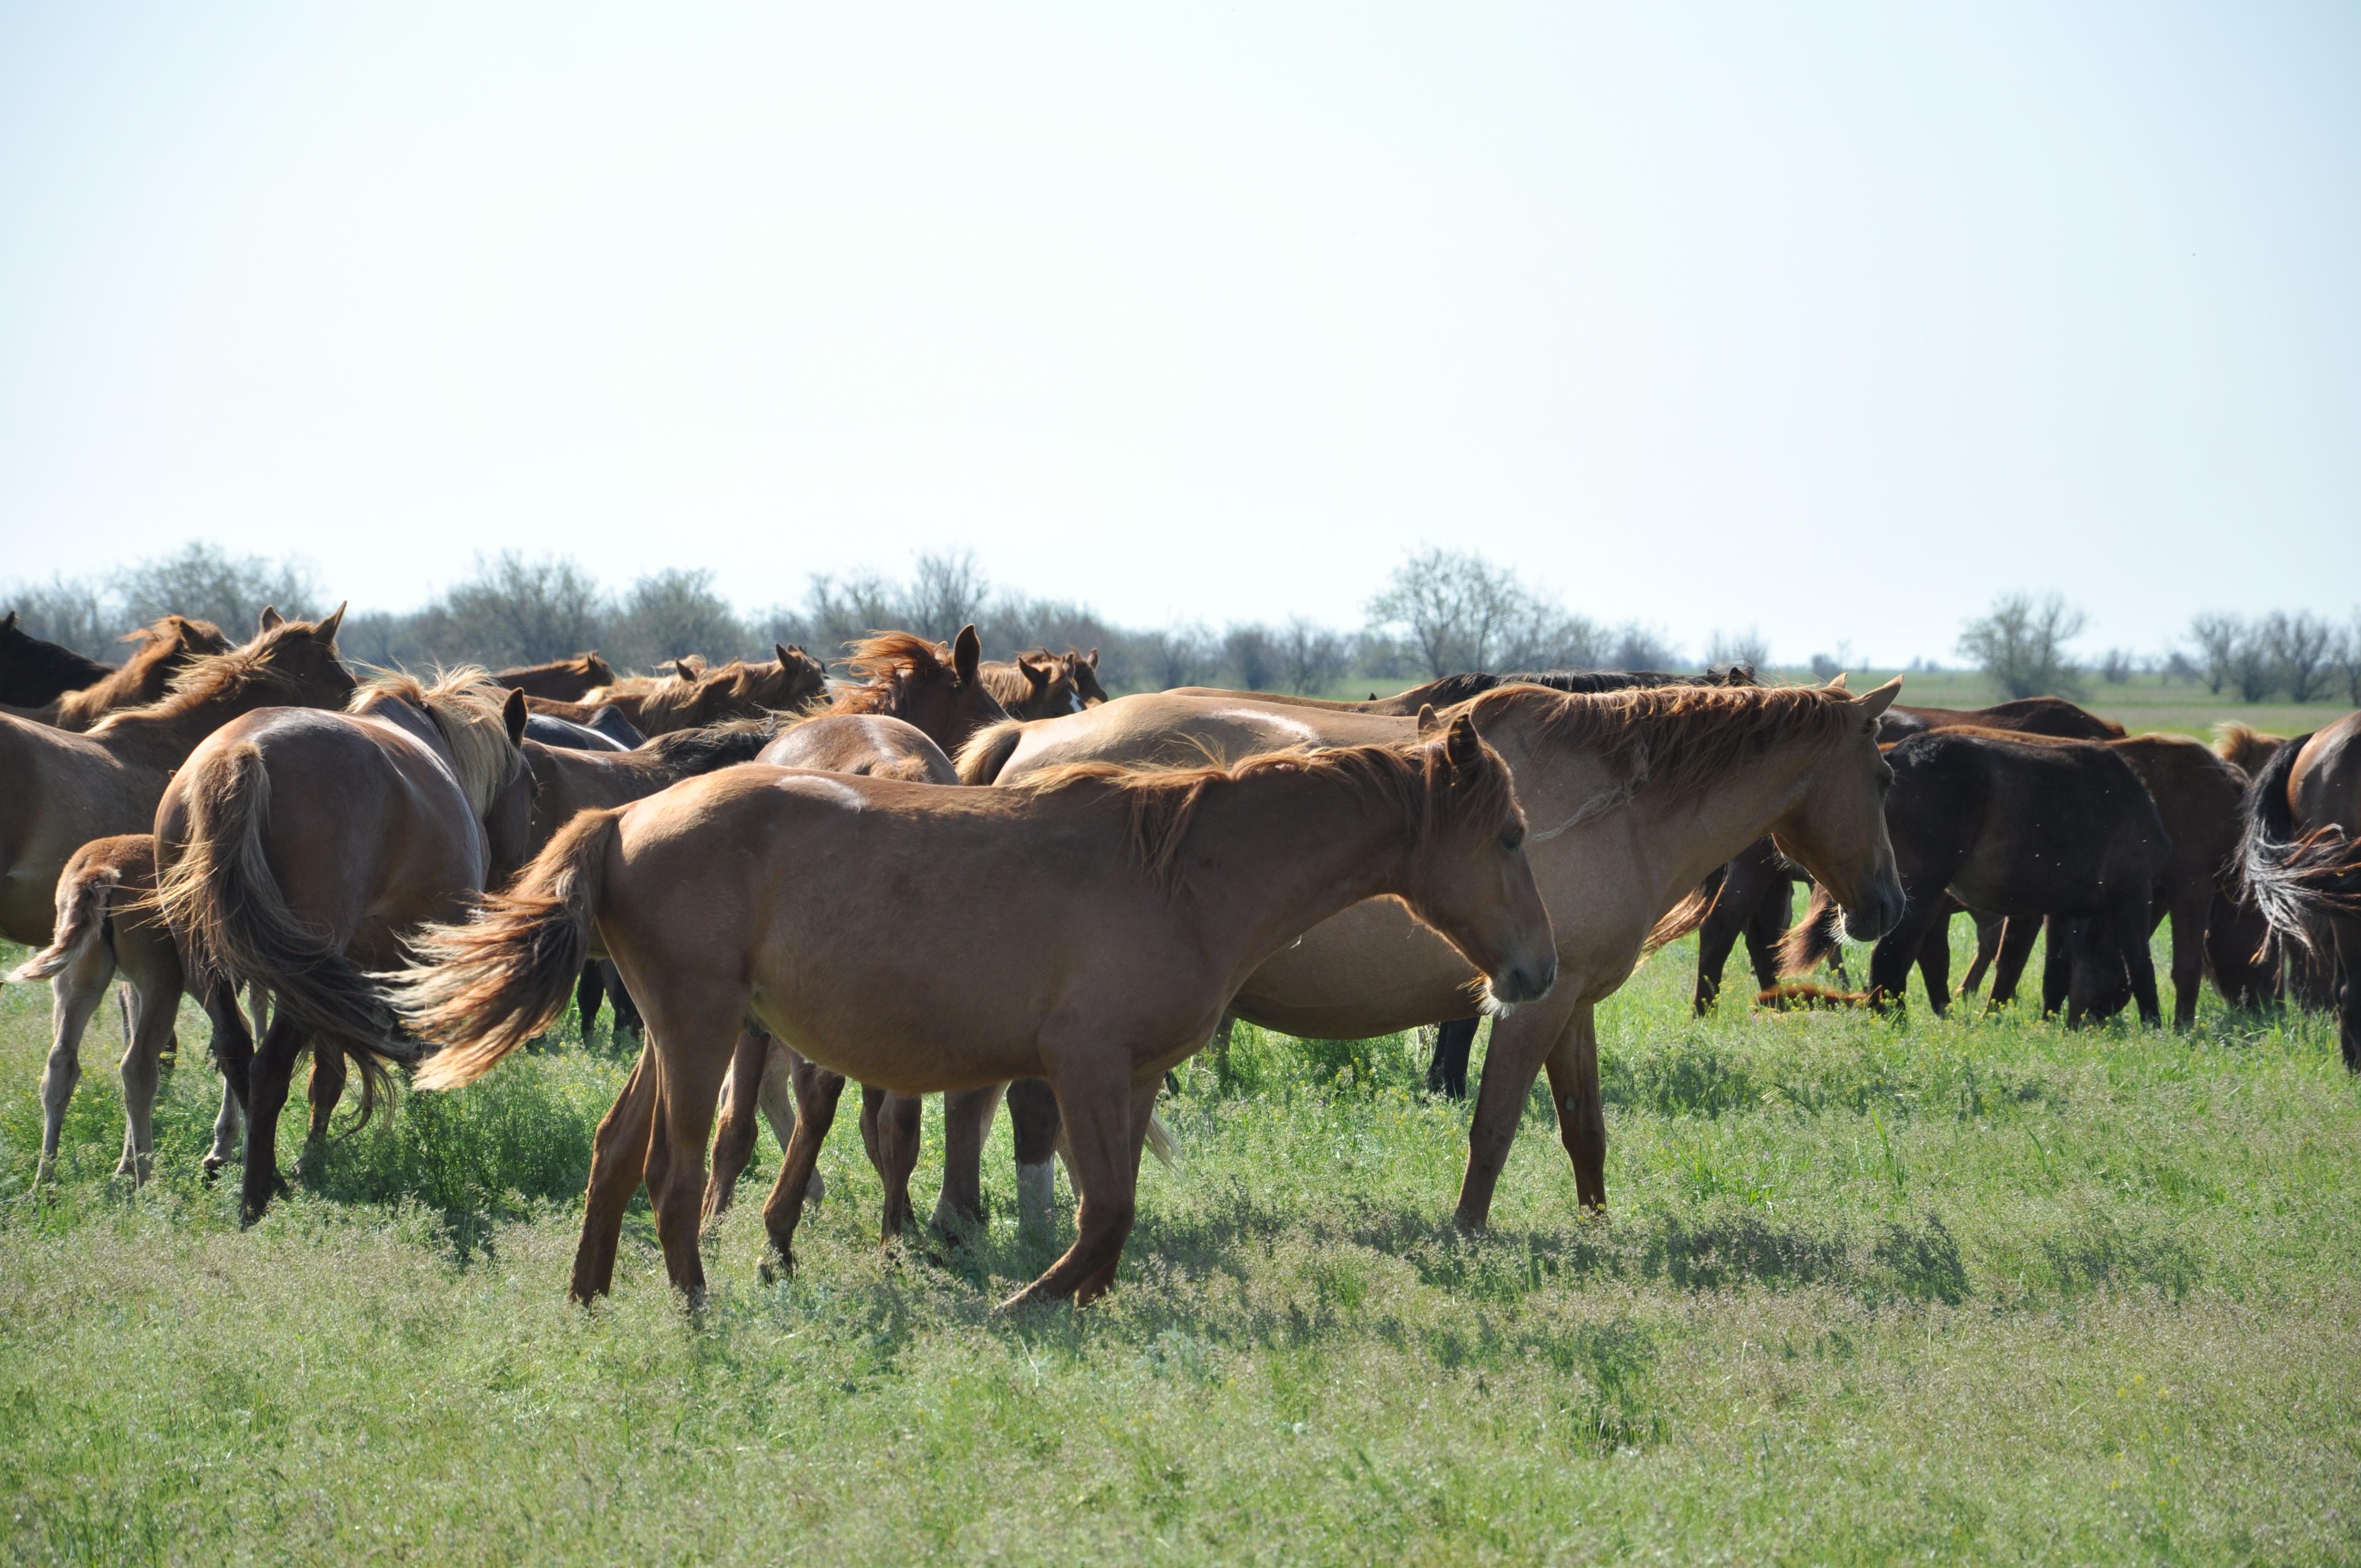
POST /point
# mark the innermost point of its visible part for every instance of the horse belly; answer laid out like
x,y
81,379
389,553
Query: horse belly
x,y
1371,969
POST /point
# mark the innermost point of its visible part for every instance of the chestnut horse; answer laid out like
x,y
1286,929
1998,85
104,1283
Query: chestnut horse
x,y
34,672
64,790
565,680
1450,690
790,683
1643,793
2019,826
105,927
167,648
1039,684
296,849
2299,859
1147,898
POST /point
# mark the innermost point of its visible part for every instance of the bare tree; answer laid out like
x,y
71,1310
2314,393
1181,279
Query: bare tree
x,y
515,612
1177,656
1459,611
2115,666
1745,647
2217,637
1639,647
838,612
231,591
2021,643
2299,645
1252,656
2254,668
72,611
947,591
1310,658
672,613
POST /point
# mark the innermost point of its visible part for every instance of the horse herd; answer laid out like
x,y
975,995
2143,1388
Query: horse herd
x,y
939,875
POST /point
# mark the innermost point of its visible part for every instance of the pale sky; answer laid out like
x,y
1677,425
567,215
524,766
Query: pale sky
x,y
1830,321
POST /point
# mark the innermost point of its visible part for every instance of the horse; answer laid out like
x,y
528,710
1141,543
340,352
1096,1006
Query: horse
x,y
166,649
1450,690
790,682
2299,859
2018,826
1034,686
2026,715
1645,791
2245,747
568,735
65,790
1148,897
33,673
566,680
296,849
105,927
1084,668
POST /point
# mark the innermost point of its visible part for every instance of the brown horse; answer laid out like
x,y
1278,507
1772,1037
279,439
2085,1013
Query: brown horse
x,y
296,849
107,926
64,790
1450,690
2026,715
1643,793
565,680
33,673
2299,859
1148,897
1039,684
169,646
938,690
2246,747
790,683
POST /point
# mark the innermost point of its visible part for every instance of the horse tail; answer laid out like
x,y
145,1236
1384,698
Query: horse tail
x,y
483,987
2296,879
83,892
1683,917
988,751
222,900
1812,941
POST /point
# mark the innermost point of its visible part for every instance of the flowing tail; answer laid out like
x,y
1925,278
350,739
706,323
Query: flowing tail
x,y
988,751
486,986
83,892
221,900
2298,879
1813,940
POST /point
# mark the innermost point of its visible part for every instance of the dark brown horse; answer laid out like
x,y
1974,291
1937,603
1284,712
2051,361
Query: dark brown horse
x,y
298,849
2018,826
167,648
565,680
1148,897
2299,859
2026,715
33,673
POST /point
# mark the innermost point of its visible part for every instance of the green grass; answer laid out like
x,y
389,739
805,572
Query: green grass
x,y
1972,1289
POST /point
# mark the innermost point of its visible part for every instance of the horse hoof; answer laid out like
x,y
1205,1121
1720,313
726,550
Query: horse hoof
x,y
772,1270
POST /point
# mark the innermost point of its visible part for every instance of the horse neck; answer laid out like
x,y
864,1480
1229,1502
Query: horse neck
x,y
166,739
1302,847
1681,840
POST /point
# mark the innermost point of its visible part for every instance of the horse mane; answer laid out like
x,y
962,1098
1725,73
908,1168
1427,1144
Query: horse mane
x,y
1409,779
892,660
1677,739
711,746
2245,746
1452,689
222,677
468,708
1005,681
174,638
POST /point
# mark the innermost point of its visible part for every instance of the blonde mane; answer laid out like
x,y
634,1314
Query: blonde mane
x,y
2244,745
1411,779
468,710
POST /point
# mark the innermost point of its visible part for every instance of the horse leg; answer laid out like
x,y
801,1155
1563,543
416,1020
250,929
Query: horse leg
x,y
1716,934
1521,1043
2187,911
776,1100
685,1038
2057,964
1991,932
1935,963
1033,1124
156,997
74,995
233,1048
1890,960
2347,932
1455,1042
2016,939
2132,923
1097,1102
733,1137
817,1093
327,1088
619,997
897,1120
618,1158
1774,912
1573,1066
266,1095
967,1122
587,992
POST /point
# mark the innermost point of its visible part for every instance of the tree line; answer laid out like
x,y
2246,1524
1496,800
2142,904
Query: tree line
x,y
2021,643
1441,612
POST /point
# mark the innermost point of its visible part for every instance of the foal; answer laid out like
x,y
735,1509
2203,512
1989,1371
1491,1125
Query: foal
x,y
839,912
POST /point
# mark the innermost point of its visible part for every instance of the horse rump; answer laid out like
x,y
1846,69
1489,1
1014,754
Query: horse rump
x,y
2298,879
84,890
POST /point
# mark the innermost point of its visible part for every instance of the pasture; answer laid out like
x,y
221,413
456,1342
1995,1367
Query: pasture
x,y
1966,1289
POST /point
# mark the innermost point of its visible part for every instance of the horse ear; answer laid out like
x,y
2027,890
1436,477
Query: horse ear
x,y
1462,745
1877,702
327,630
1427,722
9,624
271,619
786,658
967,652
513,715
680,667
1033,673
1836,682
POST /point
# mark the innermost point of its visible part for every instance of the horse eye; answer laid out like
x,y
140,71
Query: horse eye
x,y
1511,838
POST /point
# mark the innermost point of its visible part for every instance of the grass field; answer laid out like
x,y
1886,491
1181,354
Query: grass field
x,y
1969,1289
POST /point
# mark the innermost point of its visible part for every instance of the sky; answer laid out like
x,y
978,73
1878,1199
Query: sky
x,y
1830,321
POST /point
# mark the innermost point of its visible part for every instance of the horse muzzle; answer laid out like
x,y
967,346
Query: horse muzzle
x,y
1874,916
1525,982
